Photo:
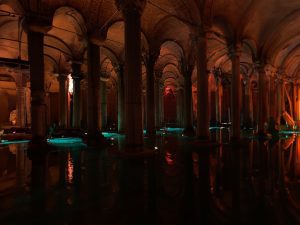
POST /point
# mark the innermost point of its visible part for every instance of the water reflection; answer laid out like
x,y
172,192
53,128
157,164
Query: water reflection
x,y
252,182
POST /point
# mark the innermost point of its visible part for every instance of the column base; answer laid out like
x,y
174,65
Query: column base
x,y
189,131
96,140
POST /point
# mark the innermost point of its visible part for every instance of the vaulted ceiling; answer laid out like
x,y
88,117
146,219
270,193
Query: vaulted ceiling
x,y
267,30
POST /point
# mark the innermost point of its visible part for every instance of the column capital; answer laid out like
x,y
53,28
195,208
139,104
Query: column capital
x,y
235,50
130,6
76,71
98,37
39,23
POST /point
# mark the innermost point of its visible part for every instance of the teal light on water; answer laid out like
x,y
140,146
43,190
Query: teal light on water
x,y
289,132
6,142
111,135
66,141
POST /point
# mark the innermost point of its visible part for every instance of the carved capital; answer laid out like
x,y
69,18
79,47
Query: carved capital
x,y
235,50
131,6
38,23
98,37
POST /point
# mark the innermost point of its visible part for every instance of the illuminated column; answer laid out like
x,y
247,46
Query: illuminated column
x,y
121,105
188,125
261,99
36,62
93,78
235,92
76,76
150,105
132,11
63,99
103,99
202,90
21,102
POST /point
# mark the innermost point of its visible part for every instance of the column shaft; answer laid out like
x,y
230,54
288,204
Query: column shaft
x,y
63,99
36,62
93,52
188,125
133,78
21,106
103,97
76,75
261,101
202,92
157,111
235,94
121,105
150,96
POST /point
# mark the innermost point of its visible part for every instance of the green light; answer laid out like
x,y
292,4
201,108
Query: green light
x,y
62,141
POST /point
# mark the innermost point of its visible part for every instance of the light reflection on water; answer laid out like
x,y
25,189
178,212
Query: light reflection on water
x,y
92,178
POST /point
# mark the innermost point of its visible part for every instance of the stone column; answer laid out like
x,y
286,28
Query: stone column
x,y
93,78
247,104
297,105
218,99
21,102
150,128
261,99
157,103
235,92
132,11
179,100
188,124
76,76
161,104
63,100
121,96
202,90
103,99
38,107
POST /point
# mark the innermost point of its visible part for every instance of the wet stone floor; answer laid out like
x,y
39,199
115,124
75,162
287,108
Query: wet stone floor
x,y
253,182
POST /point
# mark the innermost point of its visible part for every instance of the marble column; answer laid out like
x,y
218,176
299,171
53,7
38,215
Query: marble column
x,y
76,76
150,109
63,100
235,92
21,103
37,76
93,78
121,96
188,123
132,11
202,90
261,99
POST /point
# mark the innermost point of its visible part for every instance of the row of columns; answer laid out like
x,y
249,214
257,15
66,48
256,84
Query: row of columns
x,y
130,76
